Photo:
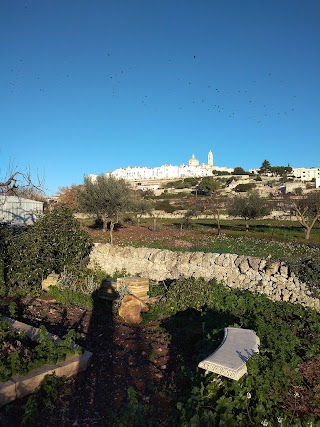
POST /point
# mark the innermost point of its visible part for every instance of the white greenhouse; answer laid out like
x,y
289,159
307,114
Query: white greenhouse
x,y
19,211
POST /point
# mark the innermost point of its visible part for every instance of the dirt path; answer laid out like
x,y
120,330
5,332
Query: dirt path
x,y
123,356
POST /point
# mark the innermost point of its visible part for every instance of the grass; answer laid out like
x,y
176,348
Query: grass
x,y
279,239
282,380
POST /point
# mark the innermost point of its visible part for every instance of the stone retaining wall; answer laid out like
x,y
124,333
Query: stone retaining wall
x,y
236,271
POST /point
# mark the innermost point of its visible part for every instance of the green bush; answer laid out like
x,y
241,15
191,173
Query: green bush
x,y
66,296
282,384
164,205
242,188
43,400
308,271
54,242
45,351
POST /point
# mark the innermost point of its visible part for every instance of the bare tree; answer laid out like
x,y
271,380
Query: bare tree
x,y
307,211
215,204
18,182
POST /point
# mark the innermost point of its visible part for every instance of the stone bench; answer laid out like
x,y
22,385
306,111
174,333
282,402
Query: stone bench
x,y
229,360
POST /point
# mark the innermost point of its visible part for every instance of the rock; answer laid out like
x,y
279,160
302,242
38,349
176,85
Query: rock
x,y
51,280
284,271
131,308
154,300
254,263
244,266
273,268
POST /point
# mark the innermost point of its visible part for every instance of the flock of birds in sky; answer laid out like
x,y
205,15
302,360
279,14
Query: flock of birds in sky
x,y
182,93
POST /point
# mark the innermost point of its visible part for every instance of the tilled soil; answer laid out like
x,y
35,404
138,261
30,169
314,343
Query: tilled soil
x,y
123,355
169,236
143,357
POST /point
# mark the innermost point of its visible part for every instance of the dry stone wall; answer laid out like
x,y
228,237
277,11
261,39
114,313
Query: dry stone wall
x,y
236,271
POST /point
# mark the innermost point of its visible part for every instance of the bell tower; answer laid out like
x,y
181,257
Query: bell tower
x,y
210,158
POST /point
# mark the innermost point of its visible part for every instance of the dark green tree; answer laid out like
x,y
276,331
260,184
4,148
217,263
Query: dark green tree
x,y
208,185
250,206
265,167
239,171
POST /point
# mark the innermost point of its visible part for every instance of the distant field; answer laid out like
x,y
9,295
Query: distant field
x,y
278,239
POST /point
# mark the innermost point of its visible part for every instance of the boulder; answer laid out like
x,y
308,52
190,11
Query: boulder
x,y
51,280
131,308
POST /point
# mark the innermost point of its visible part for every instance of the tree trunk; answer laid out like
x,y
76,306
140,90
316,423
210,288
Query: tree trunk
x,y
247,224
307,231
111,232
104,223
218,220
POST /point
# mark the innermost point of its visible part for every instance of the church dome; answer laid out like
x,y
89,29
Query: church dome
x,y
193,161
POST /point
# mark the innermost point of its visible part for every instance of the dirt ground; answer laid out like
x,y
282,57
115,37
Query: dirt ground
x,y
140,356
170,236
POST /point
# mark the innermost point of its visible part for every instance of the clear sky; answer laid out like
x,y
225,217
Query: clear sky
x,y
90,86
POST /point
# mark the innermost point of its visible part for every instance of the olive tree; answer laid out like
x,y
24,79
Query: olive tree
x,y
107,197
140,206
250,206
208,185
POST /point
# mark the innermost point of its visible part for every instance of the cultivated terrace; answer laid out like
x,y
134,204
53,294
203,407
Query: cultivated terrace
x,y
147,374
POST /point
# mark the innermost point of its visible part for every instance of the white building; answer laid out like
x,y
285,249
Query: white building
x,y
19,211
306,174
192,169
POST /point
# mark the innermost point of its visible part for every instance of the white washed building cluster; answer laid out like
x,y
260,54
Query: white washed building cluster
x,y
161,172
192,169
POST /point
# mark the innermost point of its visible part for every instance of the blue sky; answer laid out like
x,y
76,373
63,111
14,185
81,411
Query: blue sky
x,y
90,86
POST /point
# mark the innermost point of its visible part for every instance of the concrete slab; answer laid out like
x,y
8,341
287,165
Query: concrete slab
x,y
229,360
28,383
7,392
73,364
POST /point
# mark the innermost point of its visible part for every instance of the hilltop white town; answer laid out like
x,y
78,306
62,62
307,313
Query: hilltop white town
x,y
151,177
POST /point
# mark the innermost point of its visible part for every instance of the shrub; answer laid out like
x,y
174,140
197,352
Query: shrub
x,y
282,385
308,271
44,399
242,188
164,205
54,242
66,296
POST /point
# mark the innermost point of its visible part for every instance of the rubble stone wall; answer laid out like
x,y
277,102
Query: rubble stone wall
x,y
273,279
